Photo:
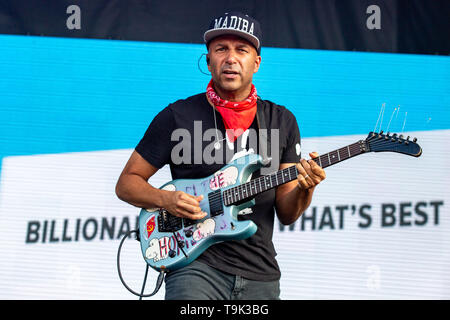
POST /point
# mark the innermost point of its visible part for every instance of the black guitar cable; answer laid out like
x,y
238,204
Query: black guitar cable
x,y
161,276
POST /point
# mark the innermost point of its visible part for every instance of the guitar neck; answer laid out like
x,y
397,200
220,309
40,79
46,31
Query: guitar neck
x,y
261,184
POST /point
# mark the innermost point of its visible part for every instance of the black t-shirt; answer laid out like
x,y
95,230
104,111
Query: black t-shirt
x,y
183,135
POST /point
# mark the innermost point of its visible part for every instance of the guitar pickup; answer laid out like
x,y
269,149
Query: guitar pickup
x,y
215,203
168,222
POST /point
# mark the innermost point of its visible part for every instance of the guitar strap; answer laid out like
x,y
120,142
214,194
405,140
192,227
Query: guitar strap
x,y
264,140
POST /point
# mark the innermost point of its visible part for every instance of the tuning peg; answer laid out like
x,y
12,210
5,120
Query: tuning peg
x,y
415,140
407,140
400,136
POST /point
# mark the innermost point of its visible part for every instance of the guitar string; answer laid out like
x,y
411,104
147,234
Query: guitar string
x,y
279,174
355,149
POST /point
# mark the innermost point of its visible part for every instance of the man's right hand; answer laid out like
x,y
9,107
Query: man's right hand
x,y
183,205
133,188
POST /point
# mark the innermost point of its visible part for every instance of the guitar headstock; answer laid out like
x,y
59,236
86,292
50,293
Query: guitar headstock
x,y
379,142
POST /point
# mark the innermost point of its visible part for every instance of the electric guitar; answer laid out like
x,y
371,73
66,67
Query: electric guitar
x,y
169,242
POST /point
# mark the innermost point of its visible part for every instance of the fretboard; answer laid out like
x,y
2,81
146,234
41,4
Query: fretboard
x,y
250,189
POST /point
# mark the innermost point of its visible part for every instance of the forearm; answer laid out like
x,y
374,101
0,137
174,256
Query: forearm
x,y
133,189
293,203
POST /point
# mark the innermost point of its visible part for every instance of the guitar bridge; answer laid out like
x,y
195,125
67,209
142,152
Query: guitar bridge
x,y
168,222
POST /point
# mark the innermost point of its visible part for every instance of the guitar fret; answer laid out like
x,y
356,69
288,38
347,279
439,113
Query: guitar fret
x,y
295,173
342,151
333,155
266,182
225,200
325,161
272,182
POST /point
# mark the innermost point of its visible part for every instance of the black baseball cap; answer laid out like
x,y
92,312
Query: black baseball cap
x,y
238,24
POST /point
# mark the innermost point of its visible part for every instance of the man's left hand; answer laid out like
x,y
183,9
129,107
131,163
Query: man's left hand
x,y
310,173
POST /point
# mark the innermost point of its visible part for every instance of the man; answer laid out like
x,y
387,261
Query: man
x,y
244,269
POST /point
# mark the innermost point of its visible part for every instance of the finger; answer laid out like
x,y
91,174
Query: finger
x,y
180,212
307,178
307,167
313,154
193,200
317,170
301,171
303,182
193,209
198,199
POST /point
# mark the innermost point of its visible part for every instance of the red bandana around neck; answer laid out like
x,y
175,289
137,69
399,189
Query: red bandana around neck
x,y
236,115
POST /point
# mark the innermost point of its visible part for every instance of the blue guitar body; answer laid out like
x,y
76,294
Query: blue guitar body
x,y
169,242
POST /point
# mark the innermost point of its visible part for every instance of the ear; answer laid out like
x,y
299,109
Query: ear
x,y
257,64
208,62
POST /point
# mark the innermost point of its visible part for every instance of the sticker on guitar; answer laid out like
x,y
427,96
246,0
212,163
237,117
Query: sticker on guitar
x,y
204,229
150,225
158,249
224,178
